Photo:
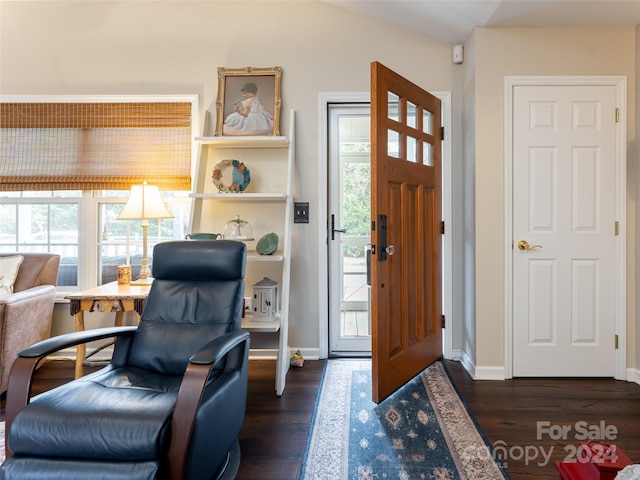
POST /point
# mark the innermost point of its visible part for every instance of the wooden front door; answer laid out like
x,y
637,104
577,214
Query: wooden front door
x,y
406,277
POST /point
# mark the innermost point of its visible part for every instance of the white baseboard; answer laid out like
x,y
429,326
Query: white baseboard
x,y
308,353
457,355
467,363
263,354
498,373
633,375
271,353
478,372
490,373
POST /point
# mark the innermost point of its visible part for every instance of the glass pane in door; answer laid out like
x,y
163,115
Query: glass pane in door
x,y
355,215
354,308
349,236
355,291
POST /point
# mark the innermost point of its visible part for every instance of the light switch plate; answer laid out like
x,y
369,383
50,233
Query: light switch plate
x,y
301,212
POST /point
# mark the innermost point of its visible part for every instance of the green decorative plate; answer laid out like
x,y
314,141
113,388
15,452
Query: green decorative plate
x,y
267,244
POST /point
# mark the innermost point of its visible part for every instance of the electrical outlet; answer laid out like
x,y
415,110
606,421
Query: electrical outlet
x,y
248,305
301,212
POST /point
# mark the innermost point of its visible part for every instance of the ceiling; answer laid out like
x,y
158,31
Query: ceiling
x,y
453,21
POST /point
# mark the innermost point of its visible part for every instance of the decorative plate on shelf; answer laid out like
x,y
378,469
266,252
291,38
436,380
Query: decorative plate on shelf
x,y
231,176
267,244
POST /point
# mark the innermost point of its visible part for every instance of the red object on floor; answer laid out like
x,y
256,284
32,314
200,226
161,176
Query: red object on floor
x,y
598,461
577,471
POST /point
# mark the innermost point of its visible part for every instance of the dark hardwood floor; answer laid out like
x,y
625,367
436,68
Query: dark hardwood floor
x,y
524,414
511,413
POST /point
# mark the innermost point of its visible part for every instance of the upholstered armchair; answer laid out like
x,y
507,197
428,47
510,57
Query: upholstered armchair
x,y
172,400
25,314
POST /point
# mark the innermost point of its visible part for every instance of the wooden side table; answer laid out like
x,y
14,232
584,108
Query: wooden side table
x,y
109,297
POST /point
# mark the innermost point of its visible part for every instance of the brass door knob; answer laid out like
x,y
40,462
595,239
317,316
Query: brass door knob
x,y
524,245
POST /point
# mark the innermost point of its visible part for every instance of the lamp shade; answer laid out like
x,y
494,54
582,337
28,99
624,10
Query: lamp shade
x,y
144,203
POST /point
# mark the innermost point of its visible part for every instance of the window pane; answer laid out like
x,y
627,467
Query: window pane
x,y
121,241
111,256
393,144
355,205
412,150
49,222
43,222
427,154
411,114
8,237
45,227
426,122
355,291
393,107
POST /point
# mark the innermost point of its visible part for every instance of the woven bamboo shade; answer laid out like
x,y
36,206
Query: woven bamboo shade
x,y
94,146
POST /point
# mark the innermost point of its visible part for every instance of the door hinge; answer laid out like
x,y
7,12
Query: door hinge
x,y
443,321
442,133
615,341
617,115
617,228
442,228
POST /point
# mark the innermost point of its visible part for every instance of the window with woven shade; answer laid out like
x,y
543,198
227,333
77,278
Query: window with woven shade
x,y
95,145
67,164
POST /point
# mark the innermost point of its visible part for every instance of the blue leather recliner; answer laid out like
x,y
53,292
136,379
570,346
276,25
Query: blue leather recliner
x,y
172,400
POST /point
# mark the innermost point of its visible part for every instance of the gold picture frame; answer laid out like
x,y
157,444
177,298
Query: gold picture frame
x,y
248,101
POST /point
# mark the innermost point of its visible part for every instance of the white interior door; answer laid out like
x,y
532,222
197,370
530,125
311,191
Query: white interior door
x,y
564,208
349,228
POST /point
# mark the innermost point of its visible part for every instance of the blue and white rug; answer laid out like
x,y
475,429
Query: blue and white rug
x,y
423,431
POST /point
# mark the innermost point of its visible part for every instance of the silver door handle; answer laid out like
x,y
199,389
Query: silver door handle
x,y
390,249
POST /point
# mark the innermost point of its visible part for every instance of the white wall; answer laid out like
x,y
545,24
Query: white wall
x,y
468,217
533,51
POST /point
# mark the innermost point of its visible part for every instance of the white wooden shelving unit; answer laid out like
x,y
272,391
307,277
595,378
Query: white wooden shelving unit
x,y
267,204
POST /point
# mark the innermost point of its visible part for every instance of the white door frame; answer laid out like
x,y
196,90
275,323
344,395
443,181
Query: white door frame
x,y
324,99
620,83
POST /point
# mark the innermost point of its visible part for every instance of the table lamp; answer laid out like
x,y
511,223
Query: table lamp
x,y
145,203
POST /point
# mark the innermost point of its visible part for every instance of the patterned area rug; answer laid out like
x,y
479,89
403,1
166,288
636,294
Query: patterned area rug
x,y
423,431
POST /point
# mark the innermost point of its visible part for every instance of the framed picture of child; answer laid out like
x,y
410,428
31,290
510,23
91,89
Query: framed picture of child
x,y
248,101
